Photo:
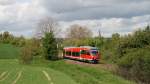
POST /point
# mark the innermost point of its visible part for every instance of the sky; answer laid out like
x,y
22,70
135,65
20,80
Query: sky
x,y
20,17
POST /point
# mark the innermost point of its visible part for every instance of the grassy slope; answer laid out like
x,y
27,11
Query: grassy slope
x,y
59,71
8,51
86,75
31,74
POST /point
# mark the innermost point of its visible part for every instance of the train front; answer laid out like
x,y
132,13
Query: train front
x,y
95,55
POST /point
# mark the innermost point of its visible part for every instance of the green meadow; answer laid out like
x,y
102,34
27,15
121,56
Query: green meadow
x,y
50,72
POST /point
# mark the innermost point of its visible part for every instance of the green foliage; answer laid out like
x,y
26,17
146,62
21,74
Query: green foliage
x,y
138,40
1,38
31,48
18,41
50,46
36,47
96,42
8,38
131,53
26,55
137,63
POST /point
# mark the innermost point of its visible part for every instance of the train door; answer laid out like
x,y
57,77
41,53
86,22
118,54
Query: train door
x,y
88,55
82,54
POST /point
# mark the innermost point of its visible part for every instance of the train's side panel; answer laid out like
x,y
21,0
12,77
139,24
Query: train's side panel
x,y
69,53
72,50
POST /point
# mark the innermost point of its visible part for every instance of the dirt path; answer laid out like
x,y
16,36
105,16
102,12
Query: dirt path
x,y
110,67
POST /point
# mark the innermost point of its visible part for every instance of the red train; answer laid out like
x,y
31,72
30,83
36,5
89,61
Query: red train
x,y
83,53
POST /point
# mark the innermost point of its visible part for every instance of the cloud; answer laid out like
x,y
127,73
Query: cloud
x,y
6,2
21,16
97,9
111,25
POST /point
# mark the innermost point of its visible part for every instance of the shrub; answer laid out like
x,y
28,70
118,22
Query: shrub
x,y
137,64
31,48
26,54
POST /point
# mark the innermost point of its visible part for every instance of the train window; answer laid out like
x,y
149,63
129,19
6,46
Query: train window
x,y
94,53
68,53
77,53
87,53
73,54
83,51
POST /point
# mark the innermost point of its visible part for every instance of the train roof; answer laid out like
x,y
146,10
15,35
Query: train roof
x,y
82,47
89,47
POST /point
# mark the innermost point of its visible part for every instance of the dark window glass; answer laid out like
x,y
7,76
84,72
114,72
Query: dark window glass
x,y
68,53
87,53
83,51
76,54
94,53
73,54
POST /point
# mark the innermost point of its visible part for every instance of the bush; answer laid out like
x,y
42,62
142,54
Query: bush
x,y
137,64
31,48
131,53
26,54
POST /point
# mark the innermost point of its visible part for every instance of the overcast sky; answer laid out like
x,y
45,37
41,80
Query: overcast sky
x,y
123,16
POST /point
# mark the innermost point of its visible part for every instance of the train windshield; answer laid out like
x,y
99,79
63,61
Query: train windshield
x,y
94,53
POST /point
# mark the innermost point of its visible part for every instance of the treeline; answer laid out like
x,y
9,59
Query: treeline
x,y
7,37
29,47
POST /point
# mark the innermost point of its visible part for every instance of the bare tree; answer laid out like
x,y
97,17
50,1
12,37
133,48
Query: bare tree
x,y
47,24
78,32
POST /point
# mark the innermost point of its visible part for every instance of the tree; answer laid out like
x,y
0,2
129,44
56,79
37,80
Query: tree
x,y
45,25
115,37
7,37
147,28
48,29
50,47
26,55
78,32
21,41
1,37
77,35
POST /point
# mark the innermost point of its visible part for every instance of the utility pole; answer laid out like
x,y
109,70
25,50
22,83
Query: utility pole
x,y
99,33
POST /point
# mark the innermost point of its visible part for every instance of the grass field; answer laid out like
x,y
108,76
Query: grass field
x,y
10,71
8,51
50,72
